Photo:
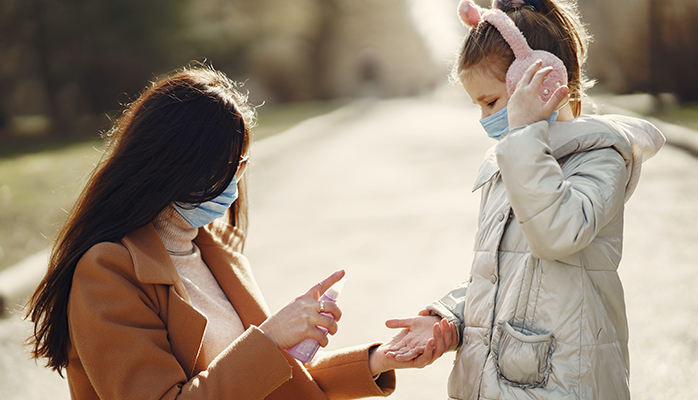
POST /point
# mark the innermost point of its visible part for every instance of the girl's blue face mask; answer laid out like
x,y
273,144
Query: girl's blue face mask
x,y
207,212
497,124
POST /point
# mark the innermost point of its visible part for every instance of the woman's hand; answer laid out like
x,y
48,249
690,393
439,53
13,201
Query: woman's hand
x,y
422,340
525,105
301,318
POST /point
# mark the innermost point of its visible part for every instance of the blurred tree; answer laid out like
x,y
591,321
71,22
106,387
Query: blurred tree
x,y
644,45
674,48
323,48
66,59
70,57
284,44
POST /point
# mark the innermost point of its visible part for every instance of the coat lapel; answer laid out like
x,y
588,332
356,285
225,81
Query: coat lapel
x,y
185,325
232,271
185,329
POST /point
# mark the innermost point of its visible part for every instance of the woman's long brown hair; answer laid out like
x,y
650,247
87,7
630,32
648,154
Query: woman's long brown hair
x,y
178,142
556,28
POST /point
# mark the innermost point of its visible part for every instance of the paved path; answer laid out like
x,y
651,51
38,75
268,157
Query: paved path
x,y
382,189
383,192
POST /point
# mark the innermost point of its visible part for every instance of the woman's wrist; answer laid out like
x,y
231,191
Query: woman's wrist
x,y
374,362
270,338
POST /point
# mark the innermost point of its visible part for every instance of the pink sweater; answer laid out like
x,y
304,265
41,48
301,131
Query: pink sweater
x,y
223,323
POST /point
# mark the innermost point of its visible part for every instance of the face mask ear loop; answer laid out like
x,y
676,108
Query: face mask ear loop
x,y
563,104
243,163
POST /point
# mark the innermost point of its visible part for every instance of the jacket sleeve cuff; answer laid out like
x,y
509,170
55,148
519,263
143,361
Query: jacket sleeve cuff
x,y
441,310
345,374
452,307
241,370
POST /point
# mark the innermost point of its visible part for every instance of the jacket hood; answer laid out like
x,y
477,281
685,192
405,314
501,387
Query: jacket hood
x,y
635,139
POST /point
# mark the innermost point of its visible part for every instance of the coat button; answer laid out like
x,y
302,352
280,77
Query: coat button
x,y
500,217
465,339
493,279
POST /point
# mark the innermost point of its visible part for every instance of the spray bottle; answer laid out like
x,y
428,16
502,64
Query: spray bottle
x,y
305,350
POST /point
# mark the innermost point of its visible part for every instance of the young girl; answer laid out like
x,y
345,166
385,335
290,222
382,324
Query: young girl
x,y
147,293
541,315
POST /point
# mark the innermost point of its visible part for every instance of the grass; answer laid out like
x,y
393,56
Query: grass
x,y
664,107
685,115
35,191
39,183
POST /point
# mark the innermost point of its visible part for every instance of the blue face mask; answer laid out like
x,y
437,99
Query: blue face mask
x,y
207,212
497,124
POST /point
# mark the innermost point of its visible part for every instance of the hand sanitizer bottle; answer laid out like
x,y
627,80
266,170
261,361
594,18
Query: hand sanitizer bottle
x,y
305,350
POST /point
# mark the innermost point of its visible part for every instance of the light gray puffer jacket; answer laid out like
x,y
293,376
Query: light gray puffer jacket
x,y
542,314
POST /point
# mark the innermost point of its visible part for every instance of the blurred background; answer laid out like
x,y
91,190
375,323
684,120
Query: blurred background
x,y
66,67
375,71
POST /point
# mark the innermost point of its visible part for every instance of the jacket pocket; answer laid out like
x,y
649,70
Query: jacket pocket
x,y
523,358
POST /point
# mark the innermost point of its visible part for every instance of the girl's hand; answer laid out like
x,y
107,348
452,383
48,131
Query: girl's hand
x,y
299,319
525,105
422,340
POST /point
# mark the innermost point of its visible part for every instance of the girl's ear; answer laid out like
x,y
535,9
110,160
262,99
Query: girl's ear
x,y
469,13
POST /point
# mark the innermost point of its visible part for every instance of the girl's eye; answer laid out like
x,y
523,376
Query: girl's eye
x,y
491,103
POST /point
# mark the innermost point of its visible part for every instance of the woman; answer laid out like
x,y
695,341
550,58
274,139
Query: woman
x,y
147,294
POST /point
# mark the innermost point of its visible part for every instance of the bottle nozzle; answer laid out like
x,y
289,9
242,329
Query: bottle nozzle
x,y
335,290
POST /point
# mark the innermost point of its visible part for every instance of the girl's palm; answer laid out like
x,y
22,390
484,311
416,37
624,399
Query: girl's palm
x,y
416,335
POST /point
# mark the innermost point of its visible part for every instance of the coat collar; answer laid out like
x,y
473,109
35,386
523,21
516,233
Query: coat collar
x,y
488,169
217,242
151,261
186,326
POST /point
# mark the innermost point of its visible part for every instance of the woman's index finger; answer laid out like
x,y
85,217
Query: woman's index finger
x,y
320,288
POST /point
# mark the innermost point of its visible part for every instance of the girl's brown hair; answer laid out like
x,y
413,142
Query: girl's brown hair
x,y
556,28
178,142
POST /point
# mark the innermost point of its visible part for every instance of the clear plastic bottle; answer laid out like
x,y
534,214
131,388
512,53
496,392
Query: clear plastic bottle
x,y
305,350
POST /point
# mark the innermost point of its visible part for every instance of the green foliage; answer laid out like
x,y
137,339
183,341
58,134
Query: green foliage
x,y
36,191
684,114
67,58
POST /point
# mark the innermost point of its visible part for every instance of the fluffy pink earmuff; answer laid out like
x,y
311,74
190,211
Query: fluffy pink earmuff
x,y
471,15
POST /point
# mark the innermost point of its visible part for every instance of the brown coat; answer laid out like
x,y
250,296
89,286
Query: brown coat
x,y
135,335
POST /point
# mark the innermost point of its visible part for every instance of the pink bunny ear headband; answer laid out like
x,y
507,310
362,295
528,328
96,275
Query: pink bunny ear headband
x,y
471,15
